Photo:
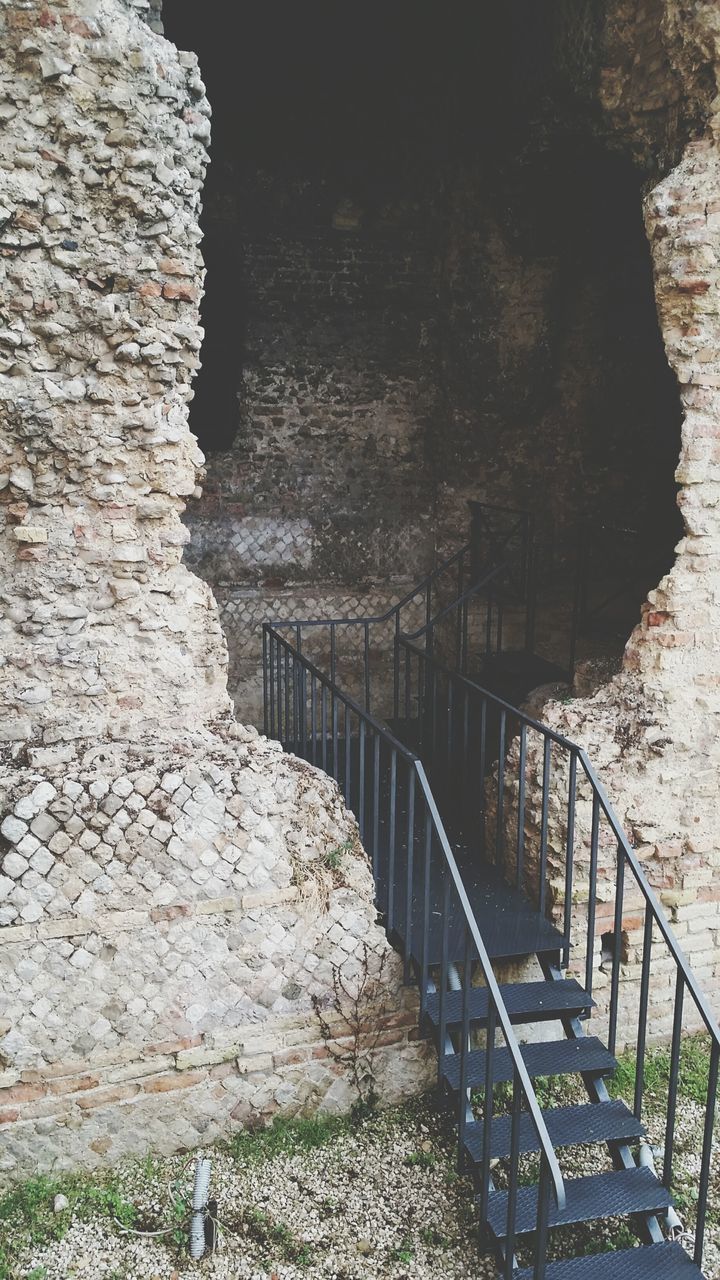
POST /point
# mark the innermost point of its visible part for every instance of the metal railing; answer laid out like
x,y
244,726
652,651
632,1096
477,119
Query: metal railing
x,y
526,799
535,807
420,891
363,652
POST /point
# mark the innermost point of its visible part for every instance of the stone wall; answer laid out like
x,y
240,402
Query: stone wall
x,y
652,731
168,910
326,493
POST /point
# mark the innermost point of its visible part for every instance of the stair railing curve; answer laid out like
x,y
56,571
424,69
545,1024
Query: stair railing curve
x,y
515,789
401,828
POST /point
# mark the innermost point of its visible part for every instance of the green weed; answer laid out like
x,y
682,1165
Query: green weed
x,y
27,1216
422,1159
285,1137
692,1079
333,858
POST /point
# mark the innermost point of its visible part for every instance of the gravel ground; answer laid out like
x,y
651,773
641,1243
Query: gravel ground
x,y
377,1199
380,1199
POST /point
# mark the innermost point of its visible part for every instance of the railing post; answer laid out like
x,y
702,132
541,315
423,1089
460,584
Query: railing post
x,y
488,1106
643,1012
617,948
569,857
513,1179
543,1218
707,1146
396,668
266,709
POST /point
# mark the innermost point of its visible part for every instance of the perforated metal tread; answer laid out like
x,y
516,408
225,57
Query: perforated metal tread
x,y
647,1262
524,1001
546,1058
602,1195
567,1126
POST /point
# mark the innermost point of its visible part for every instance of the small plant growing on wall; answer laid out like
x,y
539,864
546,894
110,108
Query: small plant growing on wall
x,y
352,1021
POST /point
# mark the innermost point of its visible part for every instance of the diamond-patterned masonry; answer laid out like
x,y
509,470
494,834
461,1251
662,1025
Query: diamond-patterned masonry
x,y
170,935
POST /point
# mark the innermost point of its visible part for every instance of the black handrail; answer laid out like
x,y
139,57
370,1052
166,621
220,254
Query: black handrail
x,y
526,770
511,775
295,687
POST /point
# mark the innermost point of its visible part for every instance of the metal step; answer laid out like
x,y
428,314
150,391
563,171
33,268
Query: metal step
x,y
524,1001
546,1058
648,1262
603,1195
567,1126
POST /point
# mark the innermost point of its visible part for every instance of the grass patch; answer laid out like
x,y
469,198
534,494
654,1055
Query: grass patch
x,y
692,1079
421,1159
27,1216
285,1137
333,857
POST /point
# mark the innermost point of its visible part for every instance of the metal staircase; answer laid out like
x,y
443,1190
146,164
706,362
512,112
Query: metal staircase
x,y
492,840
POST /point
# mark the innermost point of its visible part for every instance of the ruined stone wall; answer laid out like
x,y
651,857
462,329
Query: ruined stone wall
x,y
652,732
167,907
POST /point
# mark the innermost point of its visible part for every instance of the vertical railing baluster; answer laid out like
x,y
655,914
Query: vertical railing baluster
x,y
409,876
488,1107
444,977
279,691
271,680
482,833
617,948
376,807
391,838
335,731
669,1150
313,715
303,712
463,1097
396,667
333,652
287,695
323,726
547,757
465,761
425,948
407,684
520,845
361,780
516,1112
592,891
569,857
266,709
500,808
366,651
643,1012
542,1221
707,1148
348,759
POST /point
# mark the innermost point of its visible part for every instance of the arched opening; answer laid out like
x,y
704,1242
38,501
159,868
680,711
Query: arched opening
x,y
428,282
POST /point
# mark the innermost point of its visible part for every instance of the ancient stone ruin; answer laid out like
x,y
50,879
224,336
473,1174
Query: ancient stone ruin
x,y
488,320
